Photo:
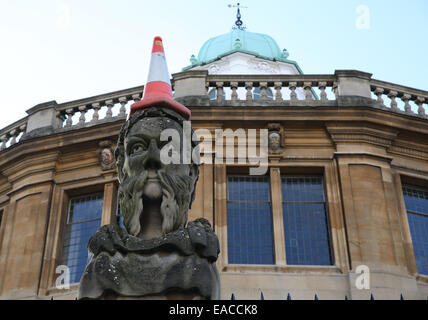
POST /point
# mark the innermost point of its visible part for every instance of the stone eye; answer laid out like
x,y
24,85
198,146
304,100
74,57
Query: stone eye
x,y
136,148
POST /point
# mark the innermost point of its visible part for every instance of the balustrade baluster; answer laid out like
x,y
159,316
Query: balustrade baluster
x,y
249,88
23,127
379,92
406,98
123,101
263,91
392,95
109,104
136,97
322,86
419,102
3,140
293,95
14,135
96,106
307,86
278,93
234,86
220,93
82,118
335,89
69,121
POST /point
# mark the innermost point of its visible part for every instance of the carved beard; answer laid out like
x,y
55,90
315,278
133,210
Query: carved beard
x,y
176,197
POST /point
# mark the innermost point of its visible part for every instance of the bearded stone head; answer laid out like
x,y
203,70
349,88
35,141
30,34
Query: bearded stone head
x,y
154,197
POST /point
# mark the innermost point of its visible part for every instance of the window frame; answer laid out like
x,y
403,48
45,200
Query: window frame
x,y
2,225
58,218
67,220
334,215
402,178
267,176
326,211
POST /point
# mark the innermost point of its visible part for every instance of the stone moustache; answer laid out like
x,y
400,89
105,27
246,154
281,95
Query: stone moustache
x,y
157,257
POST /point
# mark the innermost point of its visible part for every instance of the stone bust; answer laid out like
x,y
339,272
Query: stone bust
x,y
163,192
157,257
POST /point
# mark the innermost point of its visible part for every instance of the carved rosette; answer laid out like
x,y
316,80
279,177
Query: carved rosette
x,y
106,155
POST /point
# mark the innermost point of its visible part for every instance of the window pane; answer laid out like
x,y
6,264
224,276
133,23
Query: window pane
x,y
244,188
305,221
302,188
85,208
79,230
249,221
416,200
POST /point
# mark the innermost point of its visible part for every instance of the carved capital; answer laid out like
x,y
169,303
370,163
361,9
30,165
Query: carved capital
x,y
123,100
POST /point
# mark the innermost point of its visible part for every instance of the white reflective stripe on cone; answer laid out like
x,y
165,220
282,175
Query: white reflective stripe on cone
x,y
158,68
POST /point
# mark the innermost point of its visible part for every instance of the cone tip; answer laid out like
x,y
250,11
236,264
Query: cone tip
x,y
157,44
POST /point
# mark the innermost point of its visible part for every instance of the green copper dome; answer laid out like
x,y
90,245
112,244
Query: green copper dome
x,y
239,40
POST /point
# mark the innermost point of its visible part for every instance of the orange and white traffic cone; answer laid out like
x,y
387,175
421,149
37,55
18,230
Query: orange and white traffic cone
x,y
157,91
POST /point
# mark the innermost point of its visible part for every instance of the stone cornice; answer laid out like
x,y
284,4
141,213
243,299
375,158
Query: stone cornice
x,y
347,134
32,165
409,149
353,74
59,139
42,106
360,155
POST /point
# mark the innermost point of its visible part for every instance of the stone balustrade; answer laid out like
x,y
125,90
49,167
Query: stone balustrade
x,y
271,88
12,133
399,98
88,111
222,90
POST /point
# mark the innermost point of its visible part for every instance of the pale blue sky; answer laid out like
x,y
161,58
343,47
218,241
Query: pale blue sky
x,y
66,50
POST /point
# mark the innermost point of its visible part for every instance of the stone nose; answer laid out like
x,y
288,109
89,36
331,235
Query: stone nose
x,y
152,161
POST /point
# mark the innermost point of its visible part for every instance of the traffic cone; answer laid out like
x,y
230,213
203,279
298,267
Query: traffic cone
x,y
157,91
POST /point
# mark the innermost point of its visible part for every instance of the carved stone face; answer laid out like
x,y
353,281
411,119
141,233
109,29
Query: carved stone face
x,y
149,186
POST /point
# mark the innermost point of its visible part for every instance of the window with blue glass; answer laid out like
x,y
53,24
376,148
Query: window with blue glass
x,y
306,231
83,220
416,200
249,220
